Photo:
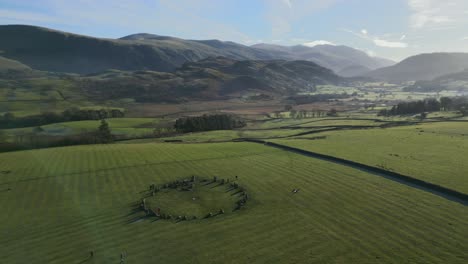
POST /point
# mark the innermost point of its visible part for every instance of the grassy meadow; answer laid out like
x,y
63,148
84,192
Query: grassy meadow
x,y
64,202
61,203
130,127
433,152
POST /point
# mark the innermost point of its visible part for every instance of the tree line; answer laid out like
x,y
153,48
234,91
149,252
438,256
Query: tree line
x,y
300,114
428,105
208,123
9,120
102,135
307,99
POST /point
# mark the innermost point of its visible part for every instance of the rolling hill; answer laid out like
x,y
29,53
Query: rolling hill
x,y
52,50
422,67
453,81
345,61
11,69
11,65
211,78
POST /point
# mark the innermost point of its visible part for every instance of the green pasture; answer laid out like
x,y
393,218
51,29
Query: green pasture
x,y
59,204
434,152
118,126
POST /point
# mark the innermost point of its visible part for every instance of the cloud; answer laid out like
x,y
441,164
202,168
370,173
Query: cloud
x,y
371,53
465,38
378,41
389,44
318,43
437,14
403,37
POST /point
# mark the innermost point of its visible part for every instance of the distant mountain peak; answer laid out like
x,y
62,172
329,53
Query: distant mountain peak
x,y
146,36
318,43
343,60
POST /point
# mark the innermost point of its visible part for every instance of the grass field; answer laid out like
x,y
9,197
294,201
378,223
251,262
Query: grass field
x,y
119,126
67,201
227,135
340,122
434,152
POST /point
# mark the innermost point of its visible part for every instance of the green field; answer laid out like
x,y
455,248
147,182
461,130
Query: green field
x,y
67,201
228,135
61,203
434,152
119,126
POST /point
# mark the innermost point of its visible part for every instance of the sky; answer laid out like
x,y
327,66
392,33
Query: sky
x,y
393,29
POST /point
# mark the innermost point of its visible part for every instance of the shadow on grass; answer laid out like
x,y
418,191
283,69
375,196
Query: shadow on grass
x,y
134,211
238,191
205,184
136,219
88,259
230,189
219,184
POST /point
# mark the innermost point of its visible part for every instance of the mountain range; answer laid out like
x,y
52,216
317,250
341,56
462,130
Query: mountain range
x,y
25,49
343,60
422,67
209,79
52,50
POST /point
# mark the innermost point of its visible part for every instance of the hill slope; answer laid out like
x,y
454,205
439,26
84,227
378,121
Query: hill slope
x,y
340,59
211,78
422,67
51,50
11,69
7,65
453,81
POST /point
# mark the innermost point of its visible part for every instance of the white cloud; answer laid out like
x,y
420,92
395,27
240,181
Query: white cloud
x,y
465,38
437,14
371,53
318,43
403,37
389,44
378,41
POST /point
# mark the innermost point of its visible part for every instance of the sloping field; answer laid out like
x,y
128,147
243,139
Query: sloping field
x,y
118,126
341,122
434,152
65,202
